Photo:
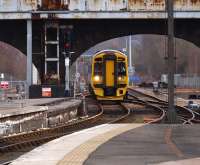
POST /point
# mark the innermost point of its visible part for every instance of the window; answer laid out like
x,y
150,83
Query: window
x,y
98,68
121,69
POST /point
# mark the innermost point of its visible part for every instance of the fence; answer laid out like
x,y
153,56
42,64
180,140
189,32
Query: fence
x,y
187,81
12,92
183,81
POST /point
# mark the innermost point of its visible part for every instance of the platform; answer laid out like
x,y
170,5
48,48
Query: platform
x,y
121,144
19,107
37,114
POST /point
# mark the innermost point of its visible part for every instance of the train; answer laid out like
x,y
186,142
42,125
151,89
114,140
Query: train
x,y
109,77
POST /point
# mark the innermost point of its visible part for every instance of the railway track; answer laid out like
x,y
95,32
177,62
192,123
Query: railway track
x,y
36,138
103,114
185,115
159,111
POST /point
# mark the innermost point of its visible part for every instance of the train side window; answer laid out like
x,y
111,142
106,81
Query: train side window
x,y
98,68
121,69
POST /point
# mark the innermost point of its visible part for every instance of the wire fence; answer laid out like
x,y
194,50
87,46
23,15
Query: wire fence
x,y
13,92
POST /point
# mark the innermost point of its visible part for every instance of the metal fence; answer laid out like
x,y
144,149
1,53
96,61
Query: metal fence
x,y
13,92
187,81
183,80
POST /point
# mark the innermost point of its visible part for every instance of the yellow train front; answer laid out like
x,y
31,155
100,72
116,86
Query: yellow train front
x,y
109,78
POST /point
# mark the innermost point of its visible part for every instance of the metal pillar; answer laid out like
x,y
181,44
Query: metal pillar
x,y
29,55
130,52
75,79
67,76
130,68
171,114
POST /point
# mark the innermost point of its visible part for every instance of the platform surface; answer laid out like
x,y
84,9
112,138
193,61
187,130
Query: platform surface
x,y
121,144
31,106
149,145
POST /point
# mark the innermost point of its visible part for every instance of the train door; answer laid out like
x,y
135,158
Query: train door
x,y
110,68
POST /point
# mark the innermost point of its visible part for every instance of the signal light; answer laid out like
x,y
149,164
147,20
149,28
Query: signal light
x,y
67,45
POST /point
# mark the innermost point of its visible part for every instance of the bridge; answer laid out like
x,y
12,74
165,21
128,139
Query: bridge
x,y
96,9
39,27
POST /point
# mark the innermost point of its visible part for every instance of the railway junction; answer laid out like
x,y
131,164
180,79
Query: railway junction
x,y
46,118
134,134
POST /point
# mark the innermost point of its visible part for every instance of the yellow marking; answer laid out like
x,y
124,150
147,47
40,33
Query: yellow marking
x,y
173,147
82,152
110,73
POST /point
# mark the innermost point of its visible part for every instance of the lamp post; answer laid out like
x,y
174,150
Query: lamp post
x,y
131,68
75,79
67,78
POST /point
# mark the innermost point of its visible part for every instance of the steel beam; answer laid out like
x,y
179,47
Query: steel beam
x,y
29,55
171,114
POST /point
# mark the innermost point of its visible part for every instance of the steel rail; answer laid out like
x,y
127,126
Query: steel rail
x,y
124,117
145,103
37,137
164,103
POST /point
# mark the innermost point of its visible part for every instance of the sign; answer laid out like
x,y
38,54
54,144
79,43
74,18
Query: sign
x,y
4,84
135,79
46,92
2,75
131,70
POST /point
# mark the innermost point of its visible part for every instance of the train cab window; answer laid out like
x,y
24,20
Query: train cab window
x,y
98,68
121,69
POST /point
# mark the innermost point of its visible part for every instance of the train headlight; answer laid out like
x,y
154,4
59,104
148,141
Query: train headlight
x,y
97,78
119,78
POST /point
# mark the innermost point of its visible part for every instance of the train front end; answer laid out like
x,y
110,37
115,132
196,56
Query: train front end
x,y
109,78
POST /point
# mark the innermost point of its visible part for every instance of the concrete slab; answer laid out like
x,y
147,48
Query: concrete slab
x,y
121,144
195,161
20,111
54,151
33,105
30,102
30,117
151,144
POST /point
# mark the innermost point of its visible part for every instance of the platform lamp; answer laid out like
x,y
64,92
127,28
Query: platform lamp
x,y
67,67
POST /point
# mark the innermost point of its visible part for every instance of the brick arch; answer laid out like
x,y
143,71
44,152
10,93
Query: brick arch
x,y
13,62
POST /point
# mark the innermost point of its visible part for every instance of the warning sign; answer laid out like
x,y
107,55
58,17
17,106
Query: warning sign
x,y
4,84
46,92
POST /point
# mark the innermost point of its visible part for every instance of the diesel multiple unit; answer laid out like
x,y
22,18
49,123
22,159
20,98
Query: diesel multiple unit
x,y
109,78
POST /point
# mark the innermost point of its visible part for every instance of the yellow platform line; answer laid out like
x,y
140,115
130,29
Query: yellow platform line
x,y
81,153
173,147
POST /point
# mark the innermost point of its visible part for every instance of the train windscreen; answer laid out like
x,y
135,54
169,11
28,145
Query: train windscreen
x,y
121,69
98,68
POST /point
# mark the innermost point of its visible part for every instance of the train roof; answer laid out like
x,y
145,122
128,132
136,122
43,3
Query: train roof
x,y
109,50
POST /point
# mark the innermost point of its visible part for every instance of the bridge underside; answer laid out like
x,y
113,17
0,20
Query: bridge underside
x,y
89,32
